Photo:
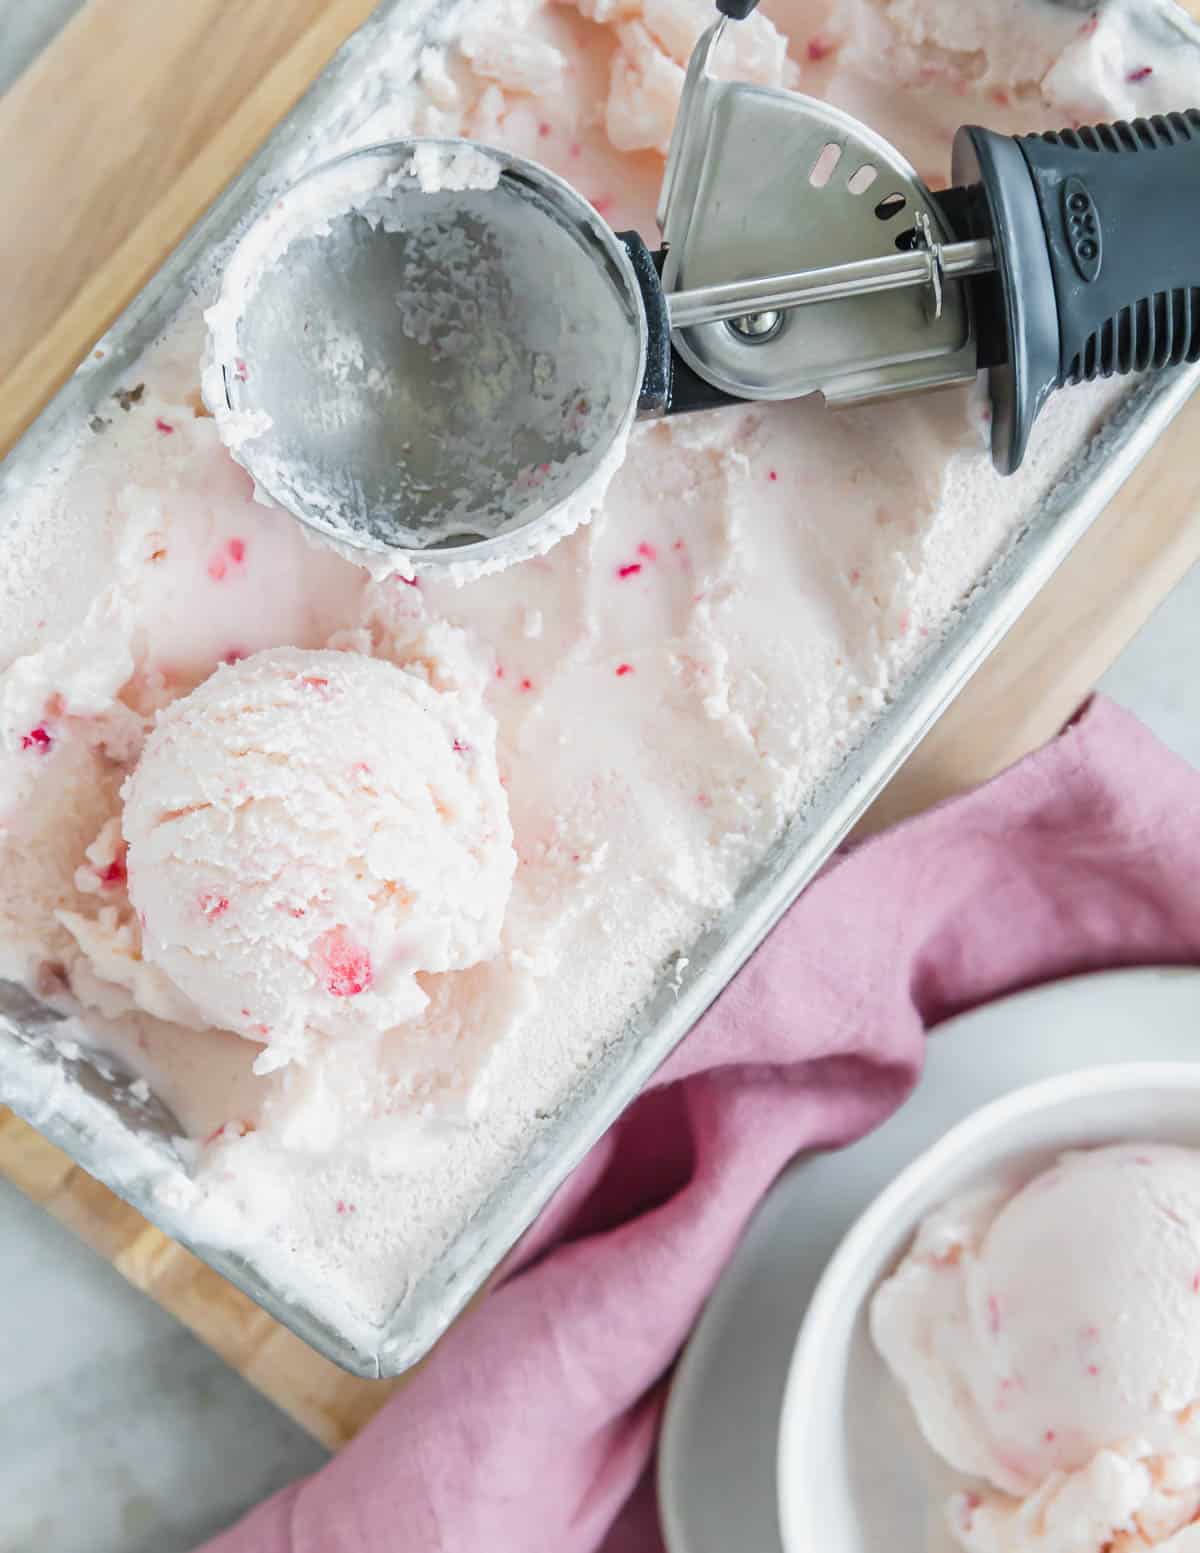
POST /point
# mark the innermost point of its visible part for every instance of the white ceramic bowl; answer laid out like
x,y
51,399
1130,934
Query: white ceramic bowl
x,y
854,1474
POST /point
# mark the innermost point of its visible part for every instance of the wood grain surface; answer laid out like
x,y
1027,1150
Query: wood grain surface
x,y
115,141
110,147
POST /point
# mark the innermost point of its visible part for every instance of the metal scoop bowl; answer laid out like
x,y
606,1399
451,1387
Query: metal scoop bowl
x,y
429,347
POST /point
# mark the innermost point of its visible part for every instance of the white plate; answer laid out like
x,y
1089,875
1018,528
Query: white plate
x,y
716,1467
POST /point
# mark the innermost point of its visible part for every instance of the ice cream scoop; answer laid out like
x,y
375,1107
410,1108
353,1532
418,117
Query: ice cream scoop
x,y
1048,1339
449,361
431,348
307,833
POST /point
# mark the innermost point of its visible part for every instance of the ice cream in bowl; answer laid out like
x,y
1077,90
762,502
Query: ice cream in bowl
x,y
1004,1352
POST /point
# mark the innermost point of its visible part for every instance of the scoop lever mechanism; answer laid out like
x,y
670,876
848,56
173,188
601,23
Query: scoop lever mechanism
x,y
931,263
1054,258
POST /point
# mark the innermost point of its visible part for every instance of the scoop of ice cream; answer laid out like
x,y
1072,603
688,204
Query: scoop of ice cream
x,y
1049,1342
307,832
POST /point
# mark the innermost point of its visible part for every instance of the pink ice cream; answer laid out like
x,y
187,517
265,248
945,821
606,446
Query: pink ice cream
x,y
307,831
1048,1339
668,687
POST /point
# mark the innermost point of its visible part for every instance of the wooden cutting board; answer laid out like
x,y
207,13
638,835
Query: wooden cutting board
x,y
110,147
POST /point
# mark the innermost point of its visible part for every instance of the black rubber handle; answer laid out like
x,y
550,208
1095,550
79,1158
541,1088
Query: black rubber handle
x,y
669,386
1097,237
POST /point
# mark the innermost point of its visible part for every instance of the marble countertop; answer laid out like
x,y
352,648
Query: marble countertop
x,y
25,30
119,1431
1158,674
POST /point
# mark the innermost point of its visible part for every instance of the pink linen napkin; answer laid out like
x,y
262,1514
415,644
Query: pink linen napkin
x,y
532,1426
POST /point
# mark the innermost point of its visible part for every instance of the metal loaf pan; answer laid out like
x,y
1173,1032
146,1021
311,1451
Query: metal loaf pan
x,y
126,1142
